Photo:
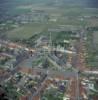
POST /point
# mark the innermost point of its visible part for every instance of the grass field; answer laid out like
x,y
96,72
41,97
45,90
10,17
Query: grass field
x,y
72,21
26,31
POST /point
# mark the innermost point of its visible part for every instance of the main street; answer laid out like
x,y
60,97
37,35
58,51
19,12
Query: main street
x,y
78,62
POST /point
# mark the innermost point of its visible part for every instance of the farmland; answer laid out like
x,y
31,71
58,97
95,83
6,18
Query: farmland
x,y
42,17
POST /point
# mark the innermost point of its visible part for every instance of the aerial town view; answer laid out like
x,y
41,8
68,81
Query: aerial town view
x,y
48,49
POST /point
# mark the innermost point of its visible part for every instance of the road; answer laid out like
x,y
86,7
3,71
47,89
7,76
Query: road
x,y
39,89
78,62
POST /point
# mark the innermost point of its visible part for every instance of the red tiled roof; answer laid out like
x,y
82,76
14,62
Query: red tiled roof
x,y
23,98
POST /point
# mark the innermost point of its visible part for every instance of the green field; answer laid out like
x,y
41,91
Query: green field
x,y
71,17
26,31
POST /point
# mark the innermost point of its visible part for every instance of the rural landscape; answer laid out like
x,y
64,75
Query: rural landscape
x,y
48,50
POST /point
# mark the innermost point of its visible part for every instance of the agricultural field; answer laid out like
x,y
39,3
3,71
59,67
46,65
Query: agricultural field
x,y
68,16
